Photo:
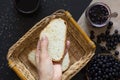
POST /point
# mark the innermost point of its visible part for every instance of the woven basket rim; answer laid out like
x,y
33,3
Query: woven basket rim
x,y
14,66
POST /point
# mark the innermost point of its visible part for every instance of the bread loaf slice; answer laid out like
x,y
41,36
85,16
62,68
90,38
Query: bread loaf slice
x,y
65,62
56,32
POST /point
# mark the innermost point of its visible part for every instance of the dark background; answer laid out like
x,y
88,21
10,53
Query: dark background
x,y
14,25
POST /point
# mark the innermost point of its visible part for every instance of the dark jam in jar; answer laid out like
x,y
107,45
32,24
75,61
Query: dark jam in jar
x,y
98,14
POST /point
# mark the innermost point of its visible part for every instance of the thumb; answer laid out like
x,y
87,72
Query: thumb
x,y
44,45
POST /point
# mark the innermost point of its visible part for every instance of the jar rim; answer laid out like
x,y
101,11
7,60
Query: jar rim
x,y
94,4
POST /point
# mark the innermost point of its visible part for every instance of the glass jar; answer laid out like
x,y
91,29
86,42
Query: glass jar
x,y
97,14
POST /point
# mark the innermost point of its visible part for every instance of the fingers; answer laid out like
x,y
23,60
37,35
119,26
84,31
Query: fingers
x,y
67,46
58,65
57,71
44,45
37,52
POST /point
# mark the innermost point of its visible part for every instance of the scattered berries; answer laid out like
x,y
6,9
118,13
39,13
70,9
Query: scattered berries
x,y
103,67
116,31
110,24
112,40
116,53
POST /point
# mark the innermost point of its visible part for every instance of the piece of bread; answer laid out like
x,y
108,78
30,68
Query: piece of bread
x,y
65,62
56,32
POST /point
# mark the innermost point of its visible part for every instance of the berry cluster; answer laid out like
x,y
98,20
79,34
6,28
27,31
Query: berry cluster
x,y
103,67
97,13
110,40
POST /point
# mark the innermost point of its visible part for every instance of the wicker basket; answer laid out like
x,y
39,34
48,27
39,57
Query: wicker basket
x,y
81,48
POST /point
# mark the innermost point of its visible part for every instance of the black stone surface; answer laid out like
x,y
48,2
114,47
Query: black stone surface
x,y
14,25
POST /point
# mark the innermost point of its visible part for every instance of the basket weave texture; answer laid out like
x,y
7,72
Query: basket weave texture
x,y
81,48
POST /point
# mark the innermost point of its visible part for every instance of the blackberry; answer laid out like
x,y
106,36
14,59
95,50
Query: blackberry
x,y
111,44
99,41
115,39
114,47
92,36
112,41
106,70
107,44
109,48
119,38
108,40
99,78
115,43
103,48
109,27
116,31
115,35
99,72
113,73
110,24
107,32
102,36
92,32
92,19
106,76
116,53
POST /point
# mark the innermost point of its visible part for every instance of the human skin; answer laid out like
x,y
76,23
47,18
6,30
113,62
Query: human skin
x,y
47,69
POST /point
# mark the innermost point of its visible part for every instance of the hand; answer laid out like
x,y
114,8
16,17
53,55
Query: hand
x,y
47,69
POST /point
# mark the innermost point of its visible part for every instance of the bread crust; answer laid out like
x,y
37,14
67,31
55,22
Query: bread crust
x,y
63,54
68,63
